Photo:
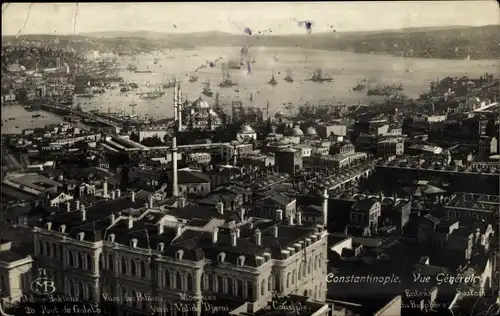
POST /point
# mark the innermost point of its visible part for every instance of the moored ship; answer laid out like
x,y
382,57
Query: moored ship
x,y
207,90
273,81
319,76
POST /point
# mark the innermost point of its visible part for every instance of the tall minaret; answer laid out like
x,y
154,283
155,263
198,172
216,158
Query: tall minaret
x,y
175,183
179,106
176,104
324,207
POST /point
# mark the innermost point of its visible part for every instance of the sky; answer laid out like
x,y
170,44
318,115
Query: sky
x,y
281,18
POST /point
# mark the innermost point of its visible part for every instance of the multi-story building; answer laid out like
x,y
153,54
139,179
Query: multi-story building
x,y
133,257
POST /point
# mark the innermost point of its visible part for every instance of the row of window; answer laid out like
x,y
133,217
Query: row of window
x,y
81,290
130,267
70,258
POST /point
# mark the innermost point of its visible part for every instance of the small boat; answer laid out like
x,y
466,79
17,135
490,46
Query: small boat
x,y
273,81
289,77
193,78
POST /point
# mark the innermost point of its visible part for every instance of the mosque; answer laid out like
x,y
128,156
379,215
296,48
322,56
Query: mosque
x,y
195,116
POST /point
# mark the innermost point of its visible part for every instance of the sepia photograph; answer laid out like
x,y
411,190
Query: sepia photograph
x,y
336,158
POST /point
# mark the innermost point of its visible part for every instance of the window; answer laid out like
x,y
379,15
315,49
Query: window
x,y
230,286
277,286
81,290
178,254
294,275
110,263
133,243
220,284
249,289
239,288
166,280
90,294
46,248
62,228
288,279
70,258
221,257
40,247
111,238
211,282
89,262
263,287
190,282
178,280
320,262
315,262
78,260
124,266
301,267
132,268
142,269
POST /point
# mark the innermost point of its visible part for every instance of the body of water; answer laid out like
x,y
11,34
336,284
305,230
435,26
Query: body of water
x,y
346,68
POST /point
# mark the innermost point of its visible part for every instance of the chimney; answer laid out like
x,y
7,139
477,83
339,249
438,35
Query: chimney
x,y
150,200
258,237
77,205
84,213
112,218
105,189
113,195
215,235
299,218
290,219
133,197
68,206
175,181
160,228
182,201
178,231
275,231
242,214
233,238
118,193
279,215
130,222
220,208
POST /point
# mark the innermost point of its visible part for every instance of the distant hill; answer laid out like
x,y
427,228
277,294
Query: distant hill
x,y
453,42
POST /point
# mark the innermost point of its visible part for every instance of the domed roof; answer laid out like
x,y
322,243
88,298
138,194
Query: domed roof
x,y
311,131
201,104
246,129
37,75
296,131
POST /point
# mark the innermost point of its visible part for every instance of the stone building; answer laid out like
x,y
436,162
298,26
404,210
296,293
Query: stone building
x,y
197,259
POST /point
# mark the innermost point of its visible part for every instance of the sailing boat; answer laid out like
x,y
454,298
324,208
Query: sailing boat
x,y
207,90
360,86
193,78
226,78
289,77
273,81
319,77
169,84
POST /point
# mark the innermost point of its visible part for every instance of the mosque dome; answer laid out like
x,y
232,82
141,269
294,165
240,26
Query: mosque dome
x,y
246,129
201,104
296,131
311,131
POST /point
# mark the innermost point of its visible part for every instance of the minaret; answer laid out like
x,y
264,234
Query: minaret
x,y
175,184
324,207
176,104
179,106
